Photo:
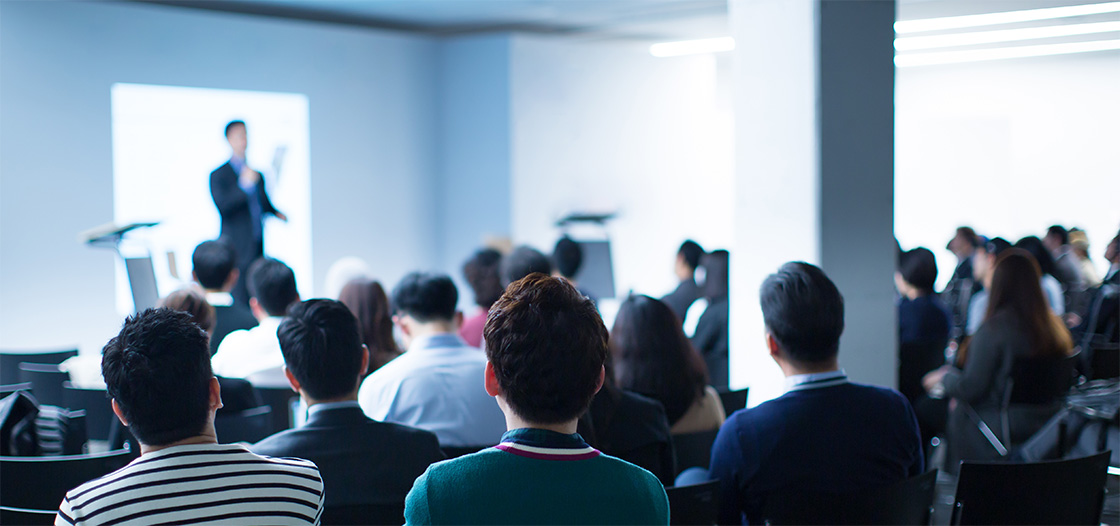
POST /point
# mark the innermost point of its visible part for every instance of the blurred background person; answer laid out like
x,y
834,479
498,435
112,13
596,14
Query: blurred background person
x,y
368,303
1051,286
687,291
962,285
712,339
567,257
215,269
922,317
1079,246
482,273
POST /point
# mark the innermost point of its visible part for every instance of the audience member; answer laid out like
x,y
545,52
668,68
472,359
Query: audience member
x,y
922,318
567,257
546,347
364,463
983,261
254,354
524,260
712,337
1018,325
1066,268
962,285
481,271
687,291
1050,284
1079,245
654,358
825,434
436,384
1100,321
158,375
215,270
368,303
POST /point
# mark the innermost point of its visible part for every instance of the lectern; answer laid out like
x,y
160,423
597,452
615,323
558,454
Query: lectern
x,y
141,272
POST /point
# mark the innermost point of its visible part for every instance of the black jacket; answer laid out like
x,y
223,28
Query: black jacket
x,y
237,220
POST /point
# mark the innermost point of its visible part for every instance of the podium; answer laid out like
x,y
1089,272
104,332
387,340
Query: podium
x,y
141,272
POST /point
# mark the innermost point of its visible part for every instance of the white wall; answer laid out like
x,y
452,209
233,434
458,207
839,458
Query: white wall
x,y
373,160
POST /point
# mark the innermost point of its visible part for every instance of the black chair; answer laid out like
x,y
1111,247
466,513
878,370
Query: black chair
x,y
10,360
280,400
456,452
250,425
695,504
1104,361
40,483
46,381
6,390
1051,492
907,502
694,449
10,515
364,514
733,400
96,404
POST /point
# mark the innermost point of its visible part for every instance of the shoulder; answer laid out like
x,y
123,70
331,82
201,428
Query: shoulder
x,y
224,169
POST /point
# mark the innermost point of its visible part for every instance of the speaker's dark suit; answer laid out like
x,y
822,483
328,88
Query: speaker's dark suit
x,y
238,227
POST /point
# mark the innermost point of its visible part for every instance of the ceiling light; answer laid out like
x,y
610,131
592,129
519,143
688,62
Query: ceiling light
x,y
978,55
692,47
1006,35
1007,17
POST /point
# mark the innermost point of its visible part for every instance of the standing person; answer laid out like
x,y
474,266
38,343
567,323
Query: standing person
x,y
712,338
238,192
687,291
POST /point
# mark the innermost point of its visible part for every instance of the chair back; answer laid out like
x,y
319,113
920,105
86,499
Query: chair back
x,y
364,514
46,381
96,404
655,457
1041,380
280,400
8,389
907,502
1051,492
1104,361
456,452
10,360
9,515
40,483
733,400
694,449
695,504
250,425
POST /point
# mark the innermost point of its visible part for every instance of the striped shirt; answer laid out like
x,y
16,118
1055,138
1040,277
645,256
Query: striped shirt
x,y
218,483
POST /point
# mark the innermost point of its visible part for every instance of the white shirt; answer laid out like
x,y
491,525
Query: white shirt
x,y
244,353
801,382
438,386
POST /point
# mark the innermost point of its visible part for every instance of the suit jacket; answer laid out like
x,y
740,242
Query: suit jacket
x,y
686,293
631,427
362,461
228,319
237,220
237,395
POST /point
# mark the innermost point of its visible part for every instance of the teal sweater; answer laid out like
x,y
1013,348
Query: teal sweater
x,y
536,477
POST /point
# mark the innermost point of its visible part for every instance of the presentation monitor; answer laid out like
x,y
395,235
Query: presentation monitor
x,y
596,273
142,280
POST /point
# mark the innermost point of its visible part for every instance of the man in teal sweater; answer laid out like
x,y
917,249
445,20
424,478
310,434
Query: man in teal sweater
x,y
546,346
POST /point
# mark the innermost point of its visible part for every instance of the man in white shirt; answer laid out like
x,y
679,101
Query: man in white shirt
x,y
254,354
438,384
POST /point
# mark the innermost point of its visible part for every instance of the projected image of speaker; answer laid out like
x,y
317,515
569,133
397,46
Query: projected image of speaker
x,y
596,273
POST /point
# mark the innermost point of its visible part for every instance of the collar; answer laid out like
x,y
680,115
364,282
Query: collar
x,y
219,299
271,322
327,406
803,382
541,444
436,341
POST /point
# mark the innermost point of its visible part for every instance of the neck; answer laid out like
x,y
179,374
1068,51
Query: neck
x,y
352,397
790,368
514,421
208,436
432,328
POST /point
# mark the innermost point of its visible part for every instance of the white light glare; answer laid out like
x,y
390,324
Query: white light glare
x,y
978,55
1007,17
1006,35
692,47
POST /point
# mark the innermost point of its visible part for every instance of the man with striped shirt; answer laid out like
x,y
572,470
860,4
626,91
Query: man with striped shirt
x,y
157,371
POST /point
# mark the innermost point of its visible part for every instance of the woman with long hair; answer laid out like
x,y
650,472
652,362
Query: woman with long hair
x,y
653,357
366,299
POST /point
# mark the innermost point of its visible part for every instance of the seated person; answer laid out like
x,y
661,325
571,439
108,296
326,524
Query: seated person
x,y
157,371
254,354
687,291
825,434
712,338
363,462
524,260
368,303
567,257
481,271
922,318
436,385
215,270
546,346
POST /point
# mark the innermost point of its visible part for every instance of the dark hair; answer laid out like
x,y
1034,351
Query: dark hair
x,y
524,260
1034,246
653,357
804,311
568,257
716,284
158,370
969,235
919,268
481,271
1016,289
426,297
322,348
996,246
692,253
547,345
1059,231
192,302
273,284
368,303
232,124
213,261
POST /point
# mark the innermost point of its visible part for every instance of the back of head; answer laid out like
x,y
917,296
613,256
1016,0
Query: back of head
x,y
568,257
652,356
368,303
691,251
524,260
158,370
482,274
1034,246
1059,234
968,235
804,311
426,297
1016,291
322,348
547,345
716,265
273,284
919,268
213,261
192,302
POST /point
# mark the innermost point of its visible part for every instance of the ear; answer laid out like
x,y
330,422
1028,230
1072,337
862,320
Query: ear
x,y
231,279
365,361
194,276
291,379
602,378
258,312
492,387
772,345
457,320
215,394
401,322
119,412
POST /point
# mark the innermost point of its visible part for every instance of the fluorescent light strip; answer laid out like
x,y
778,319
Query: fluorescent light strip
x,y
1006,35
1113,470
1007,17
692,47
979,55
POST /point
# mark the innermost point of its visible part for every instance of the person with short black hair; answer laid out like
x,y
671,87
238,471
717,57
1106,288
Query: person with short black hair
x,y
524,260
712,338
157,372
546,347
1067,268
481,271
254,354
567,258
214,267
435,385
962,284
922,318
825,434
364,463
687,291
